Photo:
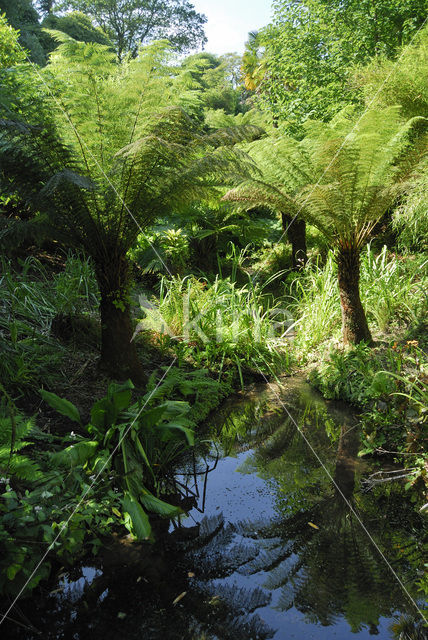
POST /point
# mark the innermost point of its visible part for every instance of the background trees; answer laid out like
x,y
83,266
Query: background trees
x,y
131,23
75,24
10,51
22,15
311,47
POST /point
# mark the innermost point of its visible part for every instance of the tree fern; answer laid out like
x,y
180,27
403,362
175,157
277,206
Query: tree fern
x,y
100,155
341,178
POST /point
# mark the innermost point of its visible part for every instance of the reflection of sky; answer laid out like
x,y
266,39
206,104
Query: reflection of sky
x,y
255,499
242,495
229,22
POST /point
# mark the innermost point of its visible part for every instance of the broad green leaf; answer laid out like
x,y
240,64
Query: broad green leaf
x,y
120,394
103,414
76,454
156,505
140,522
190,436
152,417
141,450
12,570
62,406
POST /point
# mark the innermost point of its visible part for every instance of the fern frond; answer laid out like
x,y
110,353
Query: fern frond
x,y
342,176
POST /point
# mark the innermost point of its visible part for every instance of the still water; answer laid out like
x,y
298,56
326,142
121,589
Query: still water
x,y
291,537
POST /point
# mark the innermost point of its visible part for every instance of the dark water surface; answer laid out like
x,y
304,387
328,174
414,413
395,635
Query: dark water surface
x,y
285,543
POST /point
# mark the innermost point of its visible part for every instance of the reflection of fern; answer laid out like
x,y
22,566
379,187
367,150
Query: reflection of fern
x,y
247,600
18,465
218,552
213,562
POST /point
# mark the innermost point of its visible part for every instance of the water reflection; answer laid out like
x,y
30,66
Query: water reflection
x,y
314,556
278,552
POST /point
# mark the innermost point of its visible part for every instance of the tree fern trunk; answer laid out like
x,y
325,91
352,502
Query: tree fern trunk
x,y
296,234
347,452
355,328
118,352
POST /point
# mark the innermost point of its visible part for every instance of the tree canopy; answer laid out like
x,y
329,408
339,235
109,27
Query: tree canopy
x,y
22,15
75,24
311,47
10,51
132,23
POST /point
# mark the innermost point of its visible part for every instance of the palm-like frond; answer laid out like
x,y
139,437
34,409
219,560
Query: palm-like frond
x,y
342,177
112,150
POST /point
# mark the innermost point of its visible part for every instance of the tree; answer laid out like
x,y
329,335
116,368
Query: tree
x,y
207,82
102,160
76,25
21,15
46,6
10,51
253,63
405,83
385,83
312,46
342,178
272,158
131,23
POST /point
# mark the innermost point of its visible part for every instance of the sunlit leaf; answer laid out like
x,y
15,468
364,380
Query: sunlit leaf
x,y
140,522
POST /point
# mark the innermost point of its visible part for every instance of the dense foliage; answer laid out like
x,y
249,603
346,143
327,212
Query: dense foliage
x,y
312,46
195,224
131,24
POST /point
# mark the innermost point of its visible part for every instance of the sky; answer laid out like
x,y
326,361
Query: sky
x,y
229,22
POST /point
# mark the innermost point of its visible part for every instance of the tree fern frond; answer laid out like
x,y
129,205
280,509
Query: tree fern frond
x,y
341,177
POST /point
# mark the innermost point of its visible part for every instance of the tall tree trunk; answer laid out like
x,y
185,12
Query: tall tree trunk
x,y
296,234
118,352
355,328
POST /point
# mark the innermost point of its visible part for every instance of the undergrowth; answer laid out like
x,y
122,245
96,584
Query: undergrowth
x,y
30,300
388,384
393,292
113,475
218,324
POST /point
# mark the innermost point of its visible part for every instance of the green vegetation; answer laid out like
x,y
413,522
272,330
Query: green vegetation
x,y
218,324
174,228
313,46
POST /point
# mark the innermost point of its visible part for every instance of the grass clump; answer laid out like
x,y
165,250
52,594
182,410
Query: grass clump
x,y
392,292
218,324
32,298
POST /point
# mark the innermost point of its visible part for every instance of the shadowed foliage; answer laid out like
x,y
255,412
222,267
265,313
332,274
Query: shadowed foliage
x,y
101,157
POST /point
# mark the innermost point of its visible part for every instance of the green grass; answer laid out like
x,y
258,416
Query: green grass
x,y
392,291
30,299
218,324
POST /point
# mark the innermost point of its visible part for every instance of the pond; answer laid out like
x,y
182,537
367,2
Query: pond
x,y
291,536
